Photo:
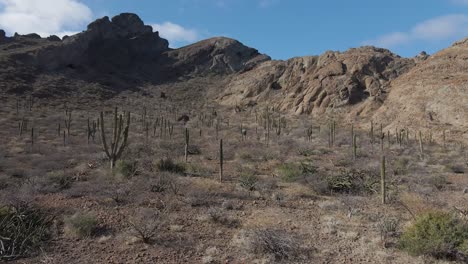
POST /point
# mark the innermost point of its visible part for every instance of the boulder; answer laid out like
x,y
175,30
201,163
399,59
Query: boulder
x,y
53,38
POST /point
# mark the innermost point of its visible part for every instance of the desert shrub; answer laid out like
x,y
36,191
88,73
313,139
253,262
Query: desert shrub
x,y
58,181
276,242
400,166
438,181
457,168
81,225
127,168
167,164
344,162
353,181
438,234
248,181
290,172
219,216
166,181
3,183
388,227
306,152
17,173
23,229
146,223
194,169
246,156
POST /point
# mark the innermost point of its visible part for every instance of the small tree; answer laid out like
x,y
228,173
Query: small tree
x,y
119,137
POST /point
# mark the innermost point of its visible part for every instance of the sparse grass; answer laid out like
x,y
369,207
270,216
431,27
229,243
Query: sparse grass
x,y
81,225
219,216
275,242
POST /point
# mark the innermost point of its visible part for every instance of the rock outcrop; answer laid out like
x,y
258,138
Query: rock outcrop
x,y
316,83
214,56
107,46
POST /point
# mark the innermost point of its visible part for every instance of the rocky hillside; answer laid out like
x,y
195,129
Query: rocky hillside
x,y
316,83
432,94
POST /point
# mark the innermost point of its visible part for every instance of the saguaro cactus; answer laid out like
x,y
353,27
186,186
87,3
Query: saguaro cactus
x,y
91,130
421,148
119,137
187,137
354,147
221,160
68,120
382,179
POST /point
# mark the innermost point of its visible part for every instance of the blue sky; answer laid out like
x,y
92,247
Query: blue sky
x,y
279,28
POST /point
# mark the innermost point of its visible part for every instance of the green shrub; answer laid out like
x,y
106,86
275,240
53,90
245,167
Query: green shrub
x,y
353,181
81,225
290,172
23,229
126,168
438,234
169,165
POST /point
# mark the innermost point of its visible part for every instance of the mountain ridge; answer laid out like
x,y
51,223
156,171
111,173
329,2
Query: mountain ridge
x,y
122,53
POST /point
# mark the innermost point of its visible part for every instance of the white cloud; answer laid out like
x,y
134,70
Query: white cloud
x,y
175,33
459,2
439,28
45,17
267,3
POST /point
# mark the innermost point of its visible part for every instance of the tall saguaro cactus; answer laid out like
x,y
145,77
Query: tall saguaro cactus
x,y
221,160
119,137
382,179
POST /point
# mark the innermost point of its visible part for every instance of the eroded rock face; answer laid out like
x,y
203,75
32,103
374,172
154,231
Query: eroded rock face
x,y
310,84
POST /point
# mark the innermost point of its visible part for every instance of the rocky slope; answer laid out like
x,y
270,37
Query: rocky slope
x,y
316,83
432,94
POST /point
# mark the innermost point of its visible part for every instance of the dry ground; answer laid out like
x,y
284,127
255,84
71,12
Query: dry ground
x,y
204,220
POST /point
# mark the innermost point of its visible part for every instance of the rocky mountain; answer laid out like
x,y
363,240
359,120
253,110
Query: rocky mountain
x,y
114,54
123,53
